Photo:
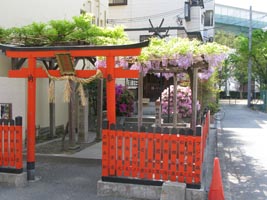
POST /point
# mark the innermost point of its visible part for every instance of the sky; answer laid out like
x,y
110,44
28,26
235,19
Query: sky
x,y
257,5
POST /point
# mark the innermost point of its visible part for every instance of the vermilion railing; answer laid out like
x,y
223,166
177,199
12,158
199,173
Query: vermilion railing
x,y
11,145
154,156
205,131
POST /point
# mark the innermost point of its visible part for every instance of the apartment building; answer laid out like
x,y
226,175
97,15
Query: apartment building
x,y
177,18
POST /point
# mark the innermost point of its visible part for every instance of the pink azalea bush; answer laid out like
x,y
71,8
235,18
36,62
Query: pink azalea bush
x,y
184,102
124,101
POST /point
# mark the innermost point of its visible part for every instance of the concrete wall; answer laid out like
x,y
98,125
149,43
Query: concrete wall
x,y
13,91
19,13
4,66
42,104
195,24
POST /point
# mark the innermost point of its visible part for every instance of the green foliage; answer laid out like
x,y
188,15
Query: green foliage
x,y
258,55
225,38
79,30
208,93
2,34
179,46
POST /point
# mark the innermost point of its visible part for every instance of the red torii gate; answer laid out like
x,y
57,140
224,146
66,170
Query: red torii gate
x,y
32,72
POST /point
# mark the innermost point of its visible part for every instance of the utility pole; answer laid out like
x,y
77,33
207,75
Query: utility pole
x,y
249,57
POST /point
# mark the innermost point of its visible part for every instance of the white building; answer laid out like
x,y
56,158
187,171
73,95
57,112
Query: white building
x,y
192,18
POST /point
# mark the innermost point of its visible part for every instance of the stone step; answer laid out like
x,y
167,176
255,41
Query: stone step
x,y
147,119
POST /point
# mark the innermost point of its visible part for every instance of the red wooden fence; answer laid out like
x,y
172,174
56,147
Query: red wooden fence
x,y
205,131
155,156
11,145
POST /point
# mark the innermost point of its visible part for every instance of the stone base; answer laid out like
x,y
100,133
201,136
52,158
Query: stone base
x,y
15,180
128,190
195,194
173,191
168,191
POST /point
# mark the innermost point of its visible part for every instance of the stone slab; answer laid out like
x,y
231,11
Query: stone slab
x,y
15,180
128,190
173,191
195,194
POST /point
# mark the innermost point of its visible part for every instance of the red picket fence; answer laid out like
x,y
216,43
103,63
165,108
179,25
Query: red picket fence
x,y
205,131
153,156
11,145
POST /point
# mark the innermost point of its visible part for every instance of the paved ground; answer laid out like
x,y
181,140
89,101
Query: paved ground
x,y
244,139
60,179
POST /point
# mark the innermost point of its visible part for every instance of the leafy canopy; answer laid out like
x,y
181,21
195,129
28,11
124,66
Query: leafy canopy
x,y
79,30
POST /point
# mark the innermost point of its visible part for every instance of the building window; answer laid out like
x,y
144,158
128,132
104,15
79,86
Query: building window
x,y
196,3
117,2
187,11
208,20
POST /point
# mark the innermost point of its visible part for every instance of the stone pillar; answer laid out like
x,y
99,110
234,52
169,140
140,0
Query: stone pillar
x,y
83,122
158,113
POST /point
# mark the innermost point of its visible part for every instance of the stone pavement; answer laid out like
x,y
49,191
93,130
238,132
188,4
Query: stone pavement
x,y
242,140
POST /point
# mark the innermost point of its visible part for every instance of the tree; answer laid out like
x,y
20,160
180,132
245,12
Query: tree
x,y
258,55
226,71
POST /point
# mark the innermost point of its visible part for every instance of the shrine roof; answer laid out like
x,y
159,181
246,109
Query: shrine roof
x,y
10,47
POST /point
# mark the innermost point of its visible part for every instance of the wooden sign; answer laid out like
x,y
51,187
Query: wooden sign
x,y
65,64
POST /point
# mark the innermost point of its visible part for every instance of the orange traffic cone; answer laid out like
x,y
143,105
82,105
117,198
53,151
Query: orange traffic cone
x,y
216,186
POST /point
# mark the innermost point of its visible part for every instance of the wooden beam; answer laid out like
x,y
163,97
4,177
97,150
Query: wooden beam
x,y
74,53
40,73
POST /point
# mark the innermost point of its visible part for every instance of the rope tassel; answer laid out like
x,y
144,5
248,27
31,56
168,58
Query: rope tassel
x,y
82,95
51,92
67,91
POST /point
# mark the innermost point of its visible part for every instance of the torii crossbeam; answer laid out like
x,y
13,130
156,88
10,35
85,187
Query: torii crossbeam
x,y
32,72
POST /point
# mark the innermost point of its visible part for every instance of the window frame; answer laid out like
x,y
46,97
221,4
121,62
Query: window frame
x,y
119,4
209,17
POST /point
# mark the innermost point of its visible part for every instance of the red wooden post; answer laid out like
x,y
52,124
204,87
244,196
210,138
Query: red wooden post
x,y
31,110
127,144
158,159
119,152
18,144
150,154
165,156
142,152
6,144
111,95
105,152
135,168
198,154
112,150
189,161
1,144
173,167
181,151
12,144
